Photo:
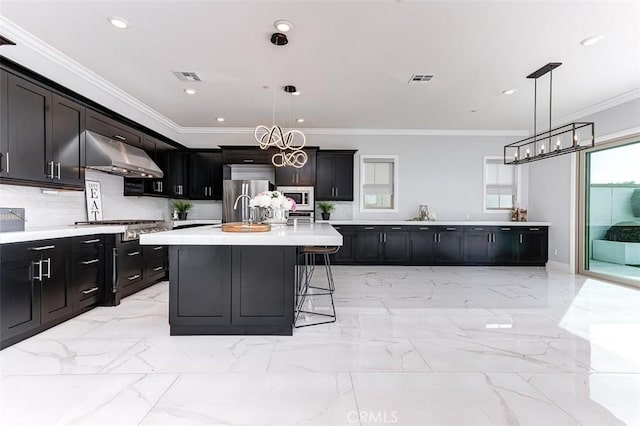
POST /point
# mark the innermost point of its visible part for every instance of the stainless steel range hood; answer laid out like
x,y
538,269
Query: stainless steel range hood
x,y
115,157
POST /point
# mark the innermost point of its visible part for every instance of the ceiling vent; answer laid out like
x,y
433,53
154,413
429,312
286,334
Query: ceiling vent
x,y
420,78
188,76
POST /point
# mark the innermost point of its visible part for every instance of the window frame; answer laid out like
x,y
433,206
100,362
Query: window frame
x,y
484,186
396,198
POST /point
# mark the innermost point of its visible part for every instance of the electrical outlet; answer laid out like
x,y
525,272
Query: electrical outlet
x,y
555,252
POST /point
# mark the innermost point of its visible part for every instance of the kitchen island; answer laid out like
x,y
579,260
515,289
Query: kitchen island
x,y
223,283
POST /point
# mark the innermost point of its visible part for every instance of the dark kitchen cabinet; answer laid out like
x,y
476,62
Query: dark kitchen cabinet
x,y
447,246
304,176
205,175
368,244
67,142
87,270
346,254
175,182
155,262
477,245
502,246
106,126
130,269
42,140
532,246
334,175
246,155
422,241
33,287
384,245
396,244
26,123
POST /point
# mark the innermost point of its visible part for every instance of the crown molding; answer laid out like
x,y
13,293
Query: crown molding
x,y
24,38
362,132
600,106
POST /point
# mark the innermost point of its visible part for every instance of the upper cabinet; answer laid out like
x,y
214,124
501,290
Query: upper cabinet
x,y
304,176
205,175
100,123
175,165
334,175
42,135
246,155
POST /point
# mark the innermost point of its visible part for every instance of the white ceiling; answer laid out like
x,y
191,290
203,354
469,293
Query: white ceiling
x,y
350,59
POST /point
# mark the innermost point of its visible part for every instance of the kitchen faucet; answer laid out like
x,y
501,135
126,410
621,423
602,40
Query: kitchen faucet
x,y
235,207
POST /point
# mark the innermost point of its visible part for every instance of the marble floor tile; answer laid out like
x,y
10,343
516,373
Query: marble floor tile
x,y
345,354
593,399
194,353
119,399
467,399
406,326
61,356
503,355
256,399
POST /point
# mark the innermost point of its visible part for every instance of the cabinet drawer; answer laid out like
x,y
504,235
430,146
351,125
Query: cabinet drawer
x,y
150,252
129,254
156,269
86,241
246,156
111,128
130,276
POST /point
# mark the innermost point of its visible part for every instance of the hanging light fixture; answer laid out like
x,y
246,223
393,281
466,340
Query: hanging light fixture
x,y
289,143
565,139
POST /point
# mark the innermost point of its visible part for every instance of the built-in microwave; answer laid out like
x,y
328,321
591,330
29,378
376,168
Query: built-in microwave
x,y
302,195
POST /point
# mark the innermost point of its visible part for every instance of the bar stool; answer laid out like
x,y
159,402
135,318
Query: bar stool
x,y
305,290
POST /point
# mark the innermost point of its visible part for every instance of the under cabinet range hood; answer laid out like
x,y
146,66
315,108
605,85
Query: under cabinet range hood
x,y
118,158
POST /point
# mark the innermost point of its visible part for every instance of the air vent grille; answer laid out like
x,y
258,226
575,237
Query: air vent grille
x,y
420,78
189,76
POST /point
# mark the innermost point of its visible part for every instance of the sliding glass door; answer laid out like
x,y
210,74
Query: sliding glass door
x,y
611,223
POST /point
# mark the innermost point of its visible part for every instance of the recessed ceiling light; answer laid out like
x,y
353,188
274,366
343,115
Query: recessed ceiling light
x,y
591,40
509,92
300,120
190,91
118,22
282,25
296,93
220,119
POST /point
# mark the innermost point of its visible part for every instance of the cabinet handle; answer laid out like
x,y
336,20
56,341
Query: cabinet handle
x,y
493,238
48,262
89,262
97,240
384,237
58,172
50,175
161,186
134,277
159,268
439,235
133,253
369,228
337,192
520,238
534,229
42,248
489,239
91,290
505,229
120,137
423,229
39,276
476,229
380,237
8,170
451,229
396,228
248,160
435,237
158,248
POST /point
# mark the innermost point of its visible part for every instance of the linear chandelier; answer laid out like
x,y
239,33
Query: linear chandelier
x,y
565,139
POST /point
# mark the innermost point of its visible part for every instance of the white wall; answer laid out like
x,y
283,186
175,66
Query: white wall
x,y
444,172
552,182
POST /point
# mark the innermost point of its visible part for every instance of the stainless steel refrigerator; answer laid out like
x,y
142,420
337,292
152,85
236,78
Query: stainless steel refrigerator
x,y
232,189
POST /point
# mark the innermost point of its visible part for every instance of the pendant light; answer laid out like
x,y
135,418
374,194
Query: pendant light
x,y
565,139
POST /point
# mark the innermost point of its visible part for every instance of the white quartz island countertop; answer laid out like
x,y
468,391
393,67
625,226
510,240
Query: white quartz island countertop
x,y
318,234
368,222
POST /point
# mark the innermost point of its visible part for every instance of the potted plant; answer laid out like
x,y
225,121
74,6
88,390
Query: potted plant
x,y
635,202
182,207
326,208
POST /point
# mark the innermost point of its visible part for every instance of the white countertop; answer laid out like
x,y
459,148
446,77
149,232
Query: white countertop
x,y
301,235
47,233
179,223
427,223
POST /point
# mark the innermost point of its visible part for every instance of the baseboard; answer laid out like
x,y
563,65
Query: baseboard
x,y
559,266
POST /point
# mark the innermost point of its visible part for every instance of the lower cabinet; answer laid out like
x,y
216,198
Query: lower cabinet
x,y
87,270
442,245
224,289
33,288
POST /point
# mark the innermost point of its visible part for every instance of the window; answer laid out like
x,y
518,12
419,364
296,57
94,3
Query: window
x,y
379,183
500,185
